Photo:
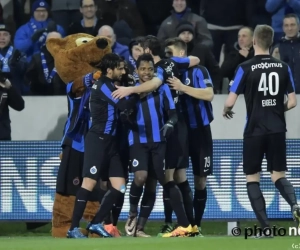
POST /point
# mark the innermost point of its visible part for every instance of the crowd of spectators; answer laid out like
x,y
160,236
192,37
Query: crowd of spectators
x,y
218,32
218,37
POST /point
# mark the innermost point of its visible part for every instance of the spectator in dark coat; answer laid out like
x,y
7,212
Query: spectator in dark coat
x,y
185,31
90,24
13,62
241,52
182,12
289,47
41,74
9,97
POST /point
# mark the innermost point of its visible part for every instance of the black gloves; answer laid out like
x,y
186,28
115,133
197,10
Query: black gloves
x,y
16,56
50,28
36,36
167,129
125,116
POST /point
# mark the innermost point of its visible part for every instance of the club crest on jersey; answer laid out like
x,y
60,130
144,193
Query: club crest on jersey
x,y
93,170
76,181
187,81
135,163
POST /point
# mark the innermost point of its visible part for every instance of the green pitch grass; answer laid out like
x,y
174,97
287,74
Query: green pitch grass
x,y
13,236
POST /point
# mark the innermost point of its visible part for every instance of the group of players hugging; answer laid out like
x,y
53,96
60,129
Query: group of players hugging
x,y
148,125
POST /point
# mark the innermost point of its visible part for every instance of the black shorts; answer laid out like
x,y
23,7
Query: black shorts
x,y
149,157
101,157
124,156
69,177
254,149
201,151
177,152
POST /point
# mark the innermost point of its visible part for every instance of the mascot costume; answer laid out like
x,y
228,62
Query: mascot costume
x,y
76,59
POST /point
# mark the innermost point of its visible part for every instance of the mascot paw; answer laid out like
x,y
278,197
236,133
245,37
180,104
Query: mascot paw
x,y
97,75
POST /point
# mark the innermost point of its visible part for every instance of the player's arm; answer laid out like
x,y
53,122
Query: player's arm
x,y
146,87
123,104
186,62
169,107
203,89
236,89
292,99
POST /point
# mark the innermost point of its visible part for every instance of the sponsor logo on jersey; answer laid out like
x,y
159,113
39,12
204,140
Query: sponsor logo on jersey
x,y
266,65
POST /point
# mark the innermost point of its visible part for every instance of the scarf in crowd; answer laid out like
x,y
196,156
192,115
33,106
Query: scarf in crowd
x,y
34,26
48,76
133,63
4,59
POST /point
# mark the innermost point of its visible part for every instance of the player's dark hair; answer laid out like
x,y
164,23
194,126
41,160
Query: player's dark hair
x,y
144,58
177,43
264,35
292,15
140,39
81,3
153,44
110,61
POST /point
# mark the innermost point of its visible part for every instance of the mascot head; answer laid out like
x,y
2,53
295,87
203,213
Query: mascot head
x,y
77,55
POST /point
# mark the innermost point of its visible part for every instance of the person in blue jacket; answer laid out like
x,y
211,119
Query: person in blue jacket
x,y
117,48
278,9
31,36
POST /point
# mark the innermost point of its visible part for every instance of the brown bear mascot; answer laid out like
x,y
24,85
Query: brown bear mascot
x,y
76,58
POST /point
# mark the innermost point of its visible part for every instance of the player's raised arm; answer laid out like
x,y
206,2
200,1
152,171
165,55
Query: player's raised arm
x,y
203,89
193,61
186,62
292,99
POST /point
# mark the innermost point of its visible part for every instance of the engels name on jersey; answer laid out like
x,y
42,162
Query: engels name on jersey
x,y
269,102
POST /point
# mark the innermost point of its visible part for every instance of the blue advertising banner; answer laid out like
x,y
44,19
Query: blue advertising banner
x,y
28,175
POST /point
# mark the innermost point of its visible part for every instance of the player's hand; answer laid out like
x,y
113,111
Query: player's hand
x,y
167,129
121,92
175,83
6,84
228,114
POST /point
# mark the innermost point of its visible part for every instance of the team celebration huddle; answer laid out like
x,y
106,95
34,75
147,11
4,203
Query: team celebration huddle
x,y
150,120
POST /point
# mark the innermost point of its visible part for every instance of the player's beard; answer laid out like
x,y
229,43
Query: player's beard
x,y
117,78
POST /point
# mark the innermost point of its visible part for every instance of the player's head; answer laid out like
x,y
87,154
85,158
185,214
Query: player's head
x,y
291,25
112,66
263,37
151,45
175,47
245,37
145,67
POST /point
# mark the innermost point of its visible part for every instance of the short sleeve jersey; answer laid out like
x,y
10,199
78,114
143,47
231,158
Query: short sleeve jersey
x,y
264,81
